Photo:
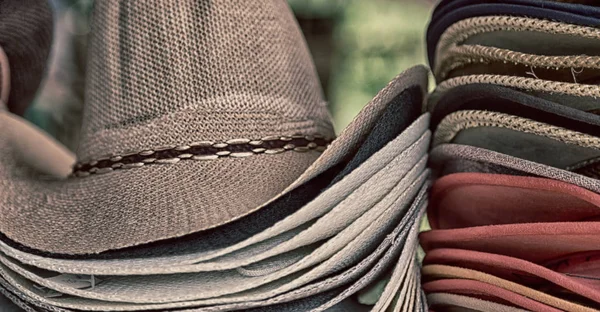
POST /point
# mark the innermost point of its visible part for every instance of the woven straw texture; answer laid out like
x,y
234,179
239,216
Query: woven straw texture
x,y
462,30
457,57
447,299
449,272
232,74
461,120
25,37
521,83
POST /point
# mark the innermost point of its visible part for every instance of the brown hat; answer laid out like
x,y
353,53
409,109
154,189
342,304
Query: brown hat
x,y
196,114
185,127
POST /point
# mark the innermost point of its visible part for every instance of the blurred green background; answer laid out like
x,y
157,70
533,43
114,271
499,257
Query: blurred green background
x,y
358,46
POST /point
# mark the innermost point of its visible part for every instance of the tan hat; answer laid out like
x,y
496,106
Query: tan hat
x,y
516,40
449,272
572,93
471,303
506,134
185,128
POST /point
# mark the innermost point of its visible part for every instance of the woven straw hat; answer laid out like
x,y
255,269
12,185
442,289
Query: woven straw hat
x,y
196,114
185,128
25,39
451,278
446,300
555,273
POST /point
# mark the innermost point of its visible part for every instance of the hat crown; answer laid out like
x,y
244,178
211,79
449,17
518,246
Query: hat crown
x,y
177,72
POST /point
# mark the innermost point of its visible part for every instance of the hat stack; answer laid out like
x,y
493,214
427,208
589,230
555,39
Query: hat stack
x,y
515,207
208,177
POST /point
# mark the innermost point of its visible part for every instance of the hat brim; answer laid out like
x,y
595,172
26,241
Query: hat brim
x,y
385,223
514,102
406,149
513,269
507,133
465,282
507,199
527,241
443,299
130,207
487,159
544,10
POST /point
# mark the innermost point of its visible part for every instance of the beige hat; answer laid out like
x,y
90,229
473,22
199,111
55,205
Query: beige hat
x,y
449,272
512,40
507,133
471,303
185,128
575,95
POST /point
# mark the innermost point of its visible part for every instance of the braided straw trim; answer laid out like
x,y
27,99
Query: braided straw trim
x,y
452,124
521,83
462,30
203,151
470,54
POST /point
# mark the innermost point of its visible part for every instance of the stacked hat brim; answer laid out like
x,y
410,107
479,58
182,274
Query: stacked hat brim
x,y
203,182
514,207
288,254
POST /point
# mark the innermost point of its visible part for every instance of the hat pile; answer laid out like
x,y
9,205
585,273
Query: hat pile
x,y
515,207
208,177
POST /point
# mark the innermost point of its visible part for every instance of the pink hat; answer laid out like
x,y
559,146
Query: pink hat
x,y
535,242
527,273
485,291
476,199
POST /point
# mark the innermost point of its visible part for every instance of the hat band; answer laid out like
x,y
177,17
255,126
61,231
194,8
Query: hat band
x,y
205,150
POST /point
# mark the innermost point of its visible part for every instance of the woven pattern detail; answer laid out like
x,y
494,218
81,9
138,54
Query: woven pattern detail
x,y
460,56
228,64
464,29
205,150
452,124
522,83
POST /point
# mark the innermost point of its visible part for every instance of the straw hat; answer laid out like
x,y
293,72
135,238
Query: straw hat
x,y
555,275
25,39
185,128
493,162
465,280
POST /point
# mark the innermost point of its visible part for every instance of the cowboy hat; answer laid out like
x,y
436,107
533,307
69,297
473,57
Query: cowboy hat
x,y
161,159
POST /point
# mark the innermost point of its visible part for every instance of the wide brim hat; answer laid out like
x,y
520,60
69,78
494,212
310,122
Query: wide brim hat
x,y
507,199
186,140
544,277
577,116
450,158
519,137
16,276
461,281
447,15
